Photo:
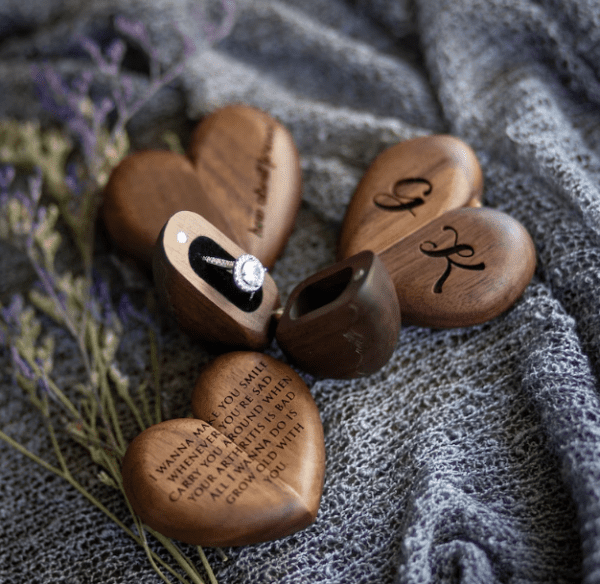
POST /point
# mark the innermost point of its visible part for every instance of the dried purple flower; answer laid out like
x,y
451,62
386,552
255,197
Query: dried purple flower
x,y
116,52
10,314
45,386
93,50
73,180
100,303
82,83
7,175
50,86
19,364
110,64
134,29
34,182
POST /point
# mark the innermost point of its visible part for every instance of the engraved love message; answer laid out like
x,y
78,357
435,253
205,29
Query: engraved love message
x,y
249,168
250,468
261,408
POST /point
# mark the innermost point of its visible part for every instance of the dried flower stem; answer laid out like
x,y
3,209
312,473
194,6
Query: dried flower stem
x,y
59,308
94,422
65,474
204,559
106,399
97,140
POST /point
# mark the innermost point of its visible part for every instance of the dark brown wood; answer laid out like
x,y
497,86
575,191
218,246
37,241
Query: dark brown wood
x,y
406,187
249,167
144,190
463,268
344,321
201,307
250,469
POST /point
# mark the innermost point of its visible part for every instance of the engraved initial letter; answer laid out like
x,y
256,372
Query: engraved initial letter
x,y
462,250
399,201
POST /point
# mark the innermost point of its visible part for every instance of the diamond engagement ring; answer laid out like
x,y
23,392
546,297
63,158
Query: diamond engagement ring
x,y
248,272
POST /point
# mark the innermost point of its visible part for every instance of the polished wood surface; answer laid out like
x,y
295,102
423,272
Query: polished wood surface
x,y
249,469
249,168
204,308
344,321
190,482
144,190
406,187
463,268
265,407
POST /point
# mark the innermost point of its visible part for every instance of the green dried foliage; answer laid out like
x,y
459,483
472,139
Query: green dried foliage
x,y
25,146
28,147
64,190
89,413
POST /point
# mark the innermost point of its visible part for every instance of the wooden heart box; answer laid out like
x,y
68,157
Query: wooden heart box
x,y
241,173
248,468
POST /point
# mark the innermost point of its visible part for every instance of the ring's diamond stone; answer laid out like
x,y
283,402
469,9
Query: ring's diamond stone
x,y
248,273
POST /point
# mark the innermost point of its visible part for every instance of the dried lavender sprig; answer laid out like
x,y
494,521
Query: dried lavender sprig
x,y
101,149
140,540
104,457
36,246
71,302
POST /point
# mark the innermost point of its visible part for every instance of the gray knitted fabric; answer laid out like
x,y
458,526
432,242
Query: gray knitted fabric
x,y
473,456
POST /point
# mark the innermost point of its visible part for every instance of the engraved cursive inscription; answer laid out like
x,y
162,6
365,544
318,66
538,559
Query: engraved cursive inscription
x,y
462,250
264,165
258,417
400,199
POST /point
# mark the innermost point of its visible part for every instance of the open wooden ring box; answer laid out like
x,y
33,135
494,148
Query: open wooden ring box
x,y
341,322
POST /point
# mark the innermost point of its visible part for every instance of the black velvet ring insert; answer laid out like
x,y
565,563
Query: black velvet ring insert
x,y
219,278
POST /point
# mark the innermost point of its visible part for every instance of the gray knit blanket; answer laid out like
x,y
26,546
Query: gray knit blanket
x,y
473,456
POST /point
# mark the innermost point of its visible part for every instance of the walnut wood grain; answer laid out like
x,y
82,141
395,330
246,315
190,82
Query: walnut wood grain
x,y
190,482
248,166
144,190
263,406
463,268
344,321
201,308
407,186
249,469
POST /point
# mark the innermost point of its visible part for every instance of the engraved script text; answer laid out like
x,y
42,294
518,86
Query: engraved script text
x,y
399,199
462,250
263,167
250,428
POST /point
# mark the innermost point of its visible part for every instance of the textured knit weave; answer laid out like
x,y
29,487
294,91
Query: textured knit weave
x,y
473,456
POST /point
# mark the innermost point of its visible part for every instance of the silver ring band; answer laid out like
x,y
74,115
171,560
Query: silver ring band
x,y
219,262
